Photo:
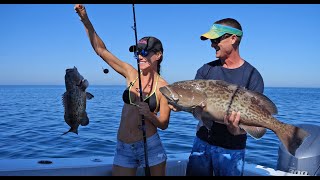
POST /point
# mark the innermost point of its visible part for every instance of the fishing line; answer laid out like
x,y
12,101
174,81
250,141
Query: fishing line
x,y
95,43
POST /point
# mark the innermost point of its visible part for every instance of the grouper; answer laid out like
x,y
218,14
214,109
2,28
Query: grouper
x,y
211,100
74,100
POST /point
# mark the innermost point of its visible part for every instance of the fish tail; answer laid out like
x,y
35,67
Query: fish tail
x,y
70,130
65,133
292,137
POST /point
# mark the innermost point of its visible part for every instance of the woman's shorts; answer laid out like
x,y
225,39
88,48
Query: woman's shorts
x,y
132,155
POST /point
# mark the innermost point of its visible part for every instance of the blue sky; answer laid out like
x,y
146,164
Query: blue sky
x,y
39,41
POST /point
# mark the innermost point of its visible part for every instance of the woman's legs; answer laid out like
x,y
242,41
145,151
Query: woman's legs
x,y
159,169
123,171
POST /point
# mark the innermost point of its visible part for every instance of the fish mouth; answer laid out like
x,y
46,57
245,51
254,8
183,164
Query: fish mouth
x,y
69,70
83,84
169,94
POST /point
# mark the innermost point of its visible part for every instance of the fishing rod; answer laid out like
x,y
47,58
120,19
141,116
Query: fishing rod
x,y
147,168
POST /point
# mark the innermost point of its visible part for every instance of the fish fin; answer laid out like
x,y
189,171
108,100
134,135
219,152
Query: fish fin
x,y
71,130
89,95
197,111
65,133
254,131
84,120
198,114
292,137
264,101
207,123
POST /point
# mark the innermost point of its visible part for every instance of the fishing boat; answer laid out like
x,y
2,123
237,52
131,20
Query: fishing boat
x,y
306,162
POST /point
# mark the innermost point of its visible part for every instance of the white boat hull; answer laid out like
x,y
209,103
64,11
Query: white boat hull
x,y
101,166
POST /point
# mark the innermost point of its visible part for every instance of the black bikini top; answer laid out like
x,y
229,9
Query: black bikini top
x,y
151,99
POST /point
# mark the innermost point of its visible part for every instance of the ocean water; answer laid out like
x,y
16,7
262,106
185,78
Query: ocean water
x,y
31,123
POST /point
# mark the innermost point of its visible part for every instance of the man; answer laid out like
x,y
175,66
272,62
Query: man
x,y
220,150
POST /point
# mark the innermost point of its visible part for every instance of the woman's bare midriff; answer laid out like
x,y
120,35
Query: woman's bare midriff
x,y
130,129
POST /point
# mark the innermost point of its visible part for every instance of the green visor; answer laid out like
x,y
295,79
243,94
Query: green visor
x,y
218,30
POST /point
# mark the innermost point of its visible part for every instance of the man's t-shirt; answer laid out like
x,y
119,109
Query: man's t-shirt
x,y
246,76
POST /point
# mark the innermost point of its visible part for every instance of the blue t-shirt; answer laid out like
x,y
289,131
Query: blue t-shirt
x,y
246,76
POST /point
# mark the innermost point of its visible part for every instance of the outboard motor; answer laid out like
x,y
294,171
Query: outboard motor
x,y
307,158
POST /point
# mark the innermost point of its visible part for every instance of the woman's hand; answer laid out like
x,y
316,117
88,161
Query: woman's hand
x,y
143,108
232,123
81,11
175,109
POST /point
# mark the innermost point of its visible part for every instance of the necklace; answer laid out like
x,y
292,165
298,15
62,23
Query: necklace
x,y
138,89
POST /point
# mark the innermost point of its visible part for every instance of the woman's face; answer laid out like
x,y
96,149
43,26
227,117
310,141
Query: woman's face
x,y
149,61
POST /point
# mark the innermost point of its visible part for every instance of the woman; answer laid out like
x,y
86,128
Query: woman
x,y
130,147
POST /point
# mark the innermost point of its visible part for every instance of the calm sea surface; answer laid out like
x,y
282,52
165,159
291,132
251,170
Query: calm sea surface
x,y
31,123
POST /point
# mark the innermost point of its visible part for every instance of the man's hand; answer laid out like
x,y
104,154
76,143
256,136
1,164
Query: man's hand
x,y
232,123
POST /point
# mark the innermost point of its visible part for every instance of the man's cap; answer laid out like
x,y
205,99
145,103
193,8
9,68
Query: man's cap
x,y
148,43
218,30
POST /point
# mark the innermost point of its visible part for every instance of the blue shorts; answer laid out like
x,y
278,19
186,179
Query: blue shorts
x,y
206,159
132,155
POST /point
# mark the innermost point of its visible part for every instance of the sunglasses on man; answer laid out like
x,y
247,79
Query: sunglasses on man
x,y
219,39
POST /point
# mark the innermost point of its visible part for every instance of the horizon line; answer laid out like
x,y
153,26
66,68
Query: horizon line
x,y
314,87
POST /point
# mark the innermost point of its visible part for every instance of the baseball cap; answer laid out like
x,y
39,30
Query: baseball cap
x,y
148,43
218,30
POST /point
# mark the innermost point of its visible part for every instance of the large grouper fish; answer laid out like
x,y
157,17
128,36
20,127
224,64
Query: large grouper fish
x,y
74,100
211,100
